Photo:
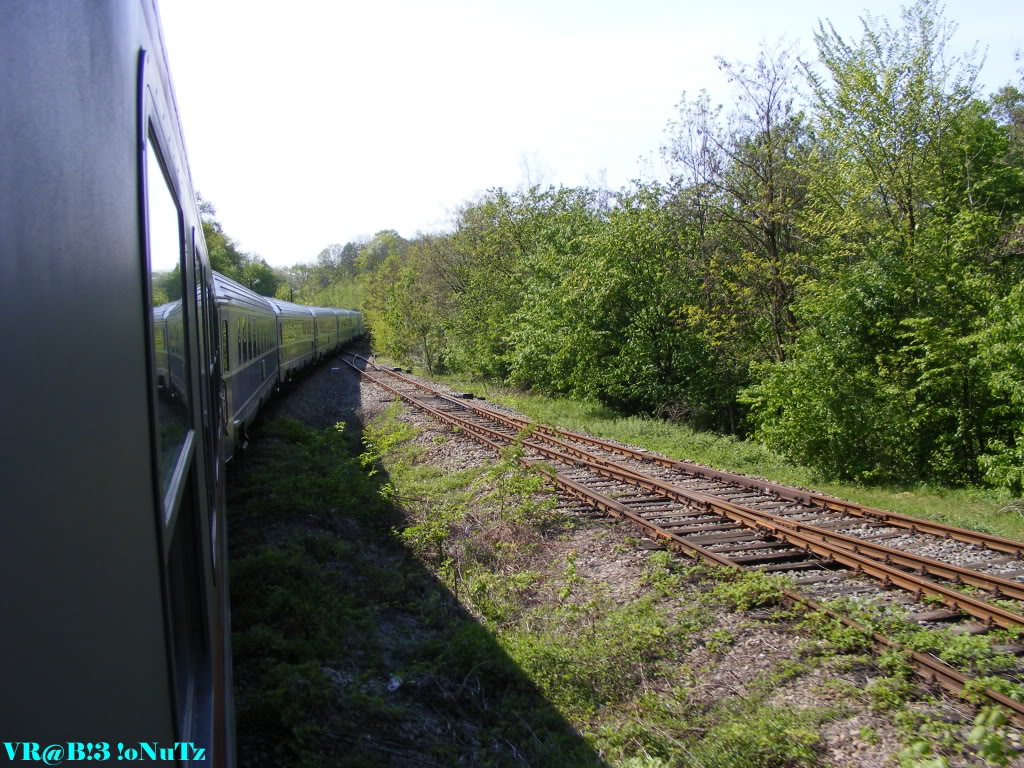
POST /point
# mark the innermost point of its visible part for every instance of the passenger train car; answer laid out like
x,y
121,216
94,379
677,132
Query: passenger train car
x,y
130,369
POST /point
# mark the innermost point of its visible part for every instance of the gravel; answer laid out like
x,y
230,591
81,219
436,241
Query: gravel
x,y
325,395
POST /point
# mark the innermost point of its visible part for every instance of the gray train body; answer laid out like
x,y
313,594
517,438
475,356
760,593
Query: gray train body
x,y
124,390
266,342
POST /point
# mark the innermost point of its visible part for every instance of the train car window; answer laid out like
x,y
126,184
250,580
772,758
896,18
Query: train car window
x,y
199,309
211,302
199,303
207,331
173,388
240,332
226,358
188,632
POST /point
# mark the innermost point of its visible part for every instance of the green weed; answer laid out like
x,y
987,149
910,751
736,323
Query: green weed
x,y
584,662
662,573
744,589
719,640
754,735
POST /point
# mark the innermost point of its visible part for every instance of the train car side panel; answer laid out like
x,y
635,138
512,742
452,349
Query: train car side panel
x,y
80,552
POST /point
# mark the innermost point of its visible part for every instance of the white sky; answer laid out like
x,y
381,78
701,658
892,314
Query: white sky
x,y
309,123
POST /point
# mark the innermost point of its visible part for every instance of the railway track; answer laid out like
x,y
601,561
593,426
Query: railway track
x,y
833,548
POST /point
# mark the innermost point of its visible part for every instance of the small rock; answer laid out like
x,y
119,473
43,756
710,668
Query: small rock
x,y
651,545
1013,648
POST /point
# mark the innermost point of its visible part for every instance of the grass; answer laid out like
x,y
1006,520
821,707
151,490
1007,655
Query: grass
x,y
348,651
297,616
975,508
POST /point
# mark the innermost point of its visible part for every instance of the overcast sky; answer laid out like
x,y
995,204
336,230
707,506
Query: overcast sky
x,y
317,122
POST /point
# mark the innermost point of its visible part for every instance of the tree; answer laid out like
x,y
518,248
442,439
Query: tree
x,y
1008,109
259,276
743,178
887,114
222,250
373,253
334,264
405,304
909,196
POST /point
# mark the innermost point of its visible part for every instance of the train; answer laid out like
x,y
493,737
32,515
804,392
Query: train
x,y
131,373
263,344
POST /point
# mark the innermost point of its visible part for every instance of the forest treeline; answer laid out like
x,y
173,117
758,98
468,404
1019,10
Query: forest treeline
x,y
834,267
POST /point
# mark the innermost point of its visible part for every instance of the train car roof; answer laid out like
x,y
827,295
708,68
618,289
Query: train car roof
x,y
163,311
230,293
322,311
291,309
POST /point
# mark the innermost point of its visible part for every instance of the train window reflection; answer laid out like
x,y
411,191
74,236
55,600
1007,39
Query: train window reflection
x,y
166,285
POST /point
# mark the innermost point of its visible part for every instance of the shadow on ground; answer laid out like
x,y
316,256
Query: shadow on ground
x,y
347,652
